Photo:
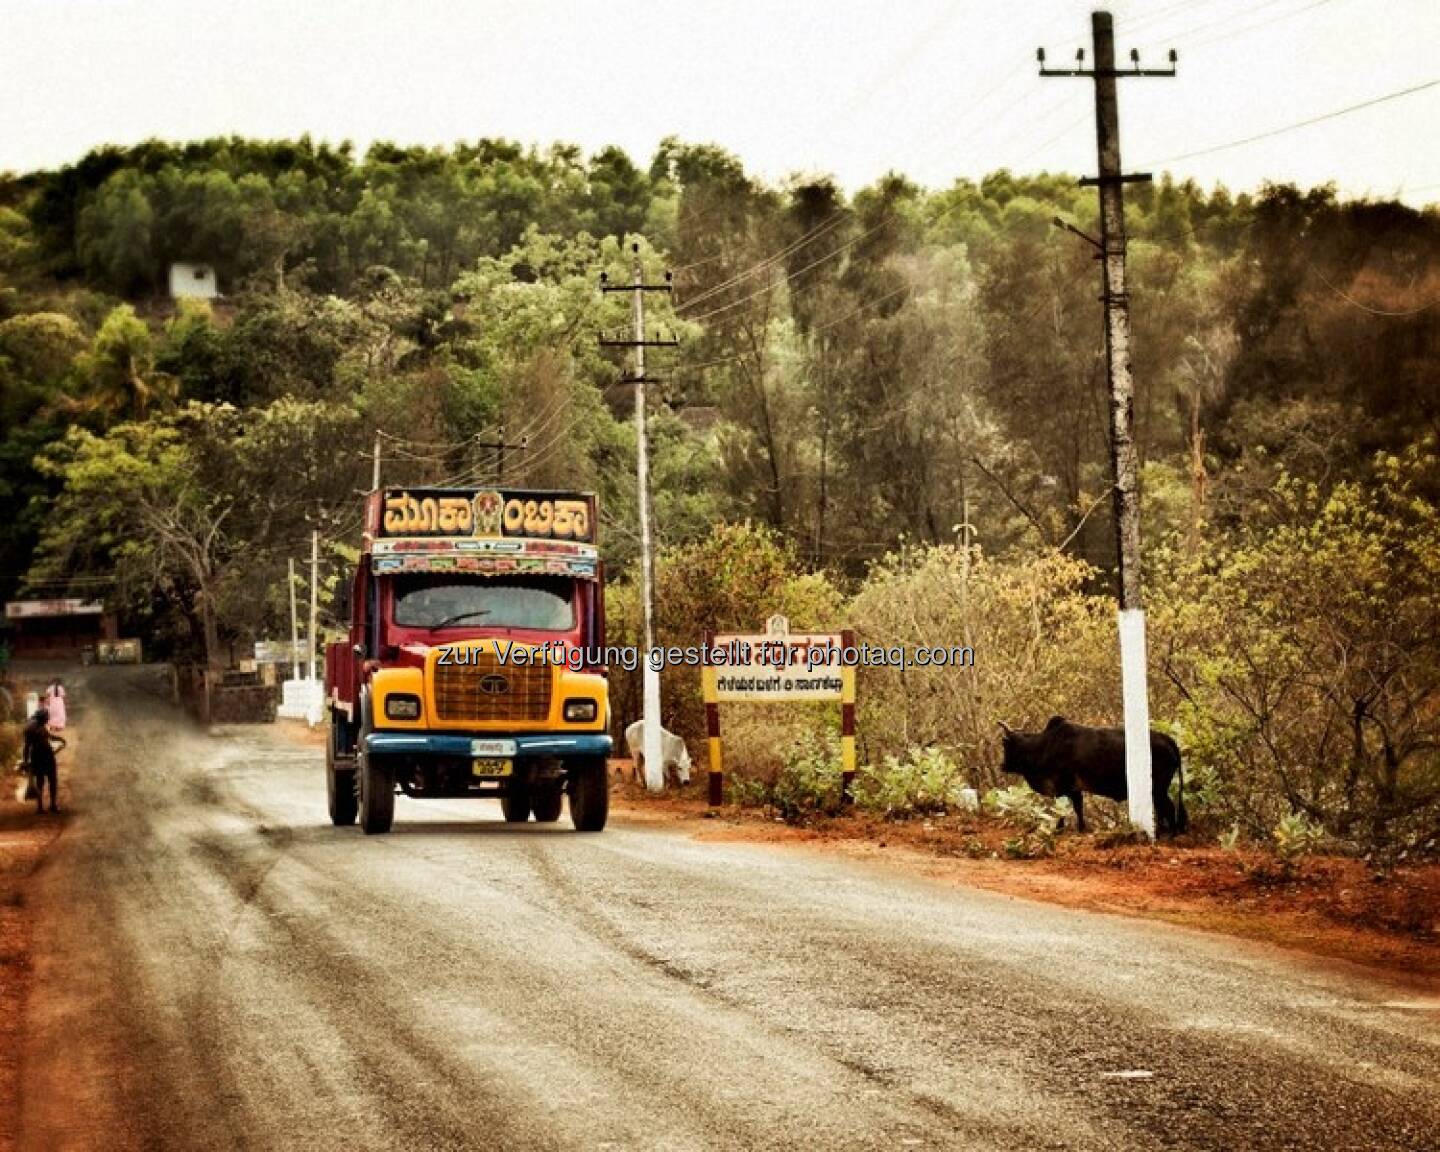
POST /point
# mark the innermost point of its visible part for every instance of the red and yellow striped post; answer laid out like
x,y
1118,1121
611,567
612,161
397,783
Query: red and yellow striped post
x,y
847,720
712,726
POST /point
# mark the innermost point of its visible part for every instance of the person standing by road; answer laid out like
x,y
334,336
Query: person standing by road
x,y
39,758
55,704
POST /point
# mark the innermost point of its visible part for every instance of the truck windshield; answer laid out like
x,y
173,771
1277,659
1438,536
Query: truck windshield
x,y
540,602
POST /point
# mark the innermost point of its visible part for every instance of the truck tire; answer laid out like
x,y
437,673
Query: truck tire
x,y
547,800
515,802
339,780
375,781
589,793
377,793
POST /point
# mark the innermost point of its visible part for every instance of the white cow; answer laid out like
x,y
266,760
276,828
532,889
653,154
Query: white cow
x,y
672,751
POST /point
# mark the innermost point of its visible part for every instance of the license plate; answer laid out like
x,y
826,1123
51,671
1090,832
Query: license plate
x,y
489,767
492,748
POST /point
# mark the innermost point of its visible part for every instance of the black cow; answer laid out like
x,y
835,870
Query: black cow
x,y
1070,759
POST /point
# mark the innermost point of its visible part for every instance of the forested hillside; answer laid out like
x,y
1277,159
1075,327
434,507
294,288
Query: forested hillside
x,y
859,377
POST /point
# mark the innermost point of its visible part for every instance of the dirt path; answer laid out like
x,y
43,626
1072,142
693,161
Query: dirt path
x,y
217,967
25,840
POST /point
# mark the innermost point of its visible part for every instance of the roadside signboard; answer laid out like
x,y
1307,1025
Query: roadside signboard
x,y
28,609
779,667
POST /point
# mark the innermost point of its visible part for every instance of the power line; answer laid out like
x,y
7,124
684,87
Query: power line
x,y
1049,140
1245,9
1160,15
715,289
888,218
1362,306
917,46
972,109
1338,112
1276,19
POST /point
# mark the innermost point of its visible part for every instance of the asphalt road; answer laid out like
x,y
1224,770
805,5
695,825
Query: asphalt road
x,y
218,968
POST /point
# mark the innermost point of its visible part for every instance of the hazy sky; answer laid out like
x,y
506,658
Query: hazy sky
x,y
934,88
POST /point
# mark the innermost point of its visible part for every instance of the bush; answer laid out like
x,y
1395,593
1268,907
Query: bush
x,y
926,782
1036,818
1297,835
731,581
1038,637
1305,655
806,785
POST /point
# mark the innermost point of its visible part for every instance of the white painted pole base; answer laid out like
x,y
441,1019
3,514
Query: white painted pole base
x,y
654,758
1136,691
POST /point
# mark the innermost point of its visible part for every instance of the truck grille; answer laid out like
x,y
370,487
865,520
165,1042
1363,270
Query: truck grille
x,y
489,691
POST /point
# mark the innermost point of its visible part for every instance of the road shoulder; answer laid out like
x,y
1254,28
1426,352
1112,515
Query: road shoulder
x,y
25,840
1329,910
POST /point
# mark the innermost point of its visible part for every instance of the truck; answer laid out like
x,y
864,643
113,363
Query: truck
x,y
474,664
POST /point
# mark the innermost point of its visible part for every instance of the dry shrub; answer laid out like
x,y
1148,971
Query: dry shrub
x,y
1042,645
1302,656
732,581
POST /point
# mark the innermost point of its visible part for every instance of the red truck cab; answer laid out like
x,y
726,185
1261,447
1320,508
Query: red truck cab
x,y
475,660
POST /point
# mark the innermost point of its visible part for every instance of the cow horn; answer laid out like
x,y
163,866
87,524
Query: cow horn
x,y
1005,728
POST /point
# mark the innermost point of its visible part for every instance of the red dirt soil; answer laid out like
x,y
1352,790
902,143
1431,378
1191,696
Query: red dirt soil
x,y
25,837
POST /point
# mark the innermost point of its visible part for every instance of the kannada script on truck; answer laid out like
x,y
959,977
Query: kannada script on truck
x,y
474,661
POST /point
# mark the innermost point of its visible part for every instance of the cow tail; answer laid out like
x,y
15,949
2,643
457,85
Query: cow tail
x,y
1182,818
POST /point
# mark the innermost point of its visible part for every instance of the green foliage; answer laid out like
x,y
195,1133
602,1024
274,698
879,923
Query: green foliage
x,y
1035,819
184,507
119,376
806,786
925,782
887,411
1306,656
115,239
1297,835
731,580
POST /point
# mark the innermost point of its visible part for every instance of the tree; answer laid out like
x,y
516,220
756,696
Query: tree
x,y
1306,658
115,234
119,376
188,505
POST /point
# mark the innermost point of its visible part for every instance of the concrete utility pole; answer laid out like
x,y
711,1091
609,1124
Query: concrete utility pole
x,y
314,604
294,626
1124,459
375,471
654,764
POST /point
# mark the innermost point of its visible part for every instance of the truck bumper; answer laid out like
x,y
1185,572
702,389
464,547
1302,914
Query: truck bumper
x,y
536,745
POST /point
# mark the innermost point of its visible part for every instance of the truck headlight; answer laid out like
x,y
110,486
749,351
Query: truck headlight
x,y
402,707
580,711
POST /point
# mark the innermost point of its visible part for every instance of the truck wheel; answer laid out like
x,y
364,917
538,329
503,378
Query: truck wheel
x,y
589,793
547,800
377,793
515,802
374,780
339,782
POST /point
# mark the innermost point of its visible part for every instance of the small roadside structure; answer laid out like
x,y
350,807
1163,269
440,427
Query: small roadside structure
x,y
58,629
193,280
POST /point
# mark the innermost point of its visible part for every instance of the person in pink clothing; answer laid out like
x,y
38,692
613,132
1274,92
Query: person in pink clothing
x,y
55,705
